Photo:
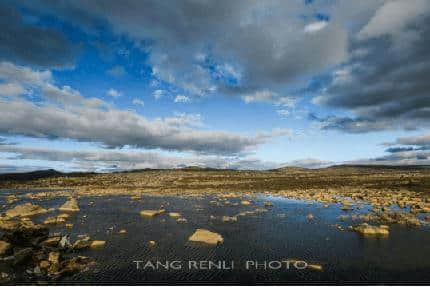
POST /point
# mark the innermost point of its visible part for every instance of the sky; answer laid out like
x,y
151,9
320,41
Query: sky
x,y
107,85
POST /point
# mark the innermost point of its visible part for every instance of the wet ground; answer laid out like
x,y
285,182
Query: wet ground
x,y
281,233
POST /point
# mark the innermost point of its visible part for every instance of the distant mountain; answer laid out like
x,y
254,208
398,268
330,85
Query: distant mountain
x,y
30,175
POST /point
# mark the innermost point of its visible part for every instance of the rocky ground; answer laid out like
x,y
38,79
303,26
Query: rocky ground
x,y
30,252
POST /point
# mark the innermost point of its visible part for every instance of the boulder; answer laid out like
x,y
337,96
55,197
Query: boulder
x,y
97,243
4,247
25,210
52,241
229,218
174,214
268,204
151,213
370,230
70,206
206,236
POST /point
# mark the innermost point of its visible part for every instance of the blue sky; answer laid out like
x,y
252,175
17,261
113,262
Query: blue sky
x,y
114,85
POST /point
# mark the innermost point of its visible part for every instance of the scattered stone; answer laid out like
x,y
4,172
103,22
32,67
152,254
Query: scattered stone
x,y
174,214
181,220
246,202
11,199
268,204
122,231
52,241
370,230
4,247
206,236
54,220
151,213
25,210
97,243
70,206
229,218
65,242
44,264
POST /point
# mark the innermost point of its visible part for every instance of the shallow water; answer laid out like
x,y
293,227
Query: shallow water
x,y
281,233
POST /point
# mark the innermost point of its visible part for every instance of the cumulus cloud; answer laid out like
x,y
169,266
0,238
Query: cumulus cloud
x,y
204,47
113,93
138,102
31,44
125,160
182,99
158,94
383,85
266,96
65,113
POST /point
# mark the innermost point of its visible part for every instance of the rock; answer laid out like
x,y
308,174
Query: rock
x,y
206,236
22,255
50,220
25,210
370,230
246,202
44,264
70,206
22,232
310,217
4,247
174,214
97,243
151,243
63,215
54,257
52,241
11,199
82,243
181,220
122,231
151,213
65,242
343,217
229,218
212,217
135,197
268,204
69,225
326,205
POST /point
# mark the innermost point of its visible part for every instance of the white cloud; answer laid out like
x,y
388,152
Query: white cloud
x,y
267,96
114,93
283,113
138,102
315,26
65,113
12,89
393,16
158,94
182,99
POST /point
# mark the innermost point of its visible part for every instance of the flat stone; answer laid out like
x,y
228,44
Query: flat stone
x,y
229,218
206,236
4,247
151,213
370,230
25,210
71,205
97,243
174,214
